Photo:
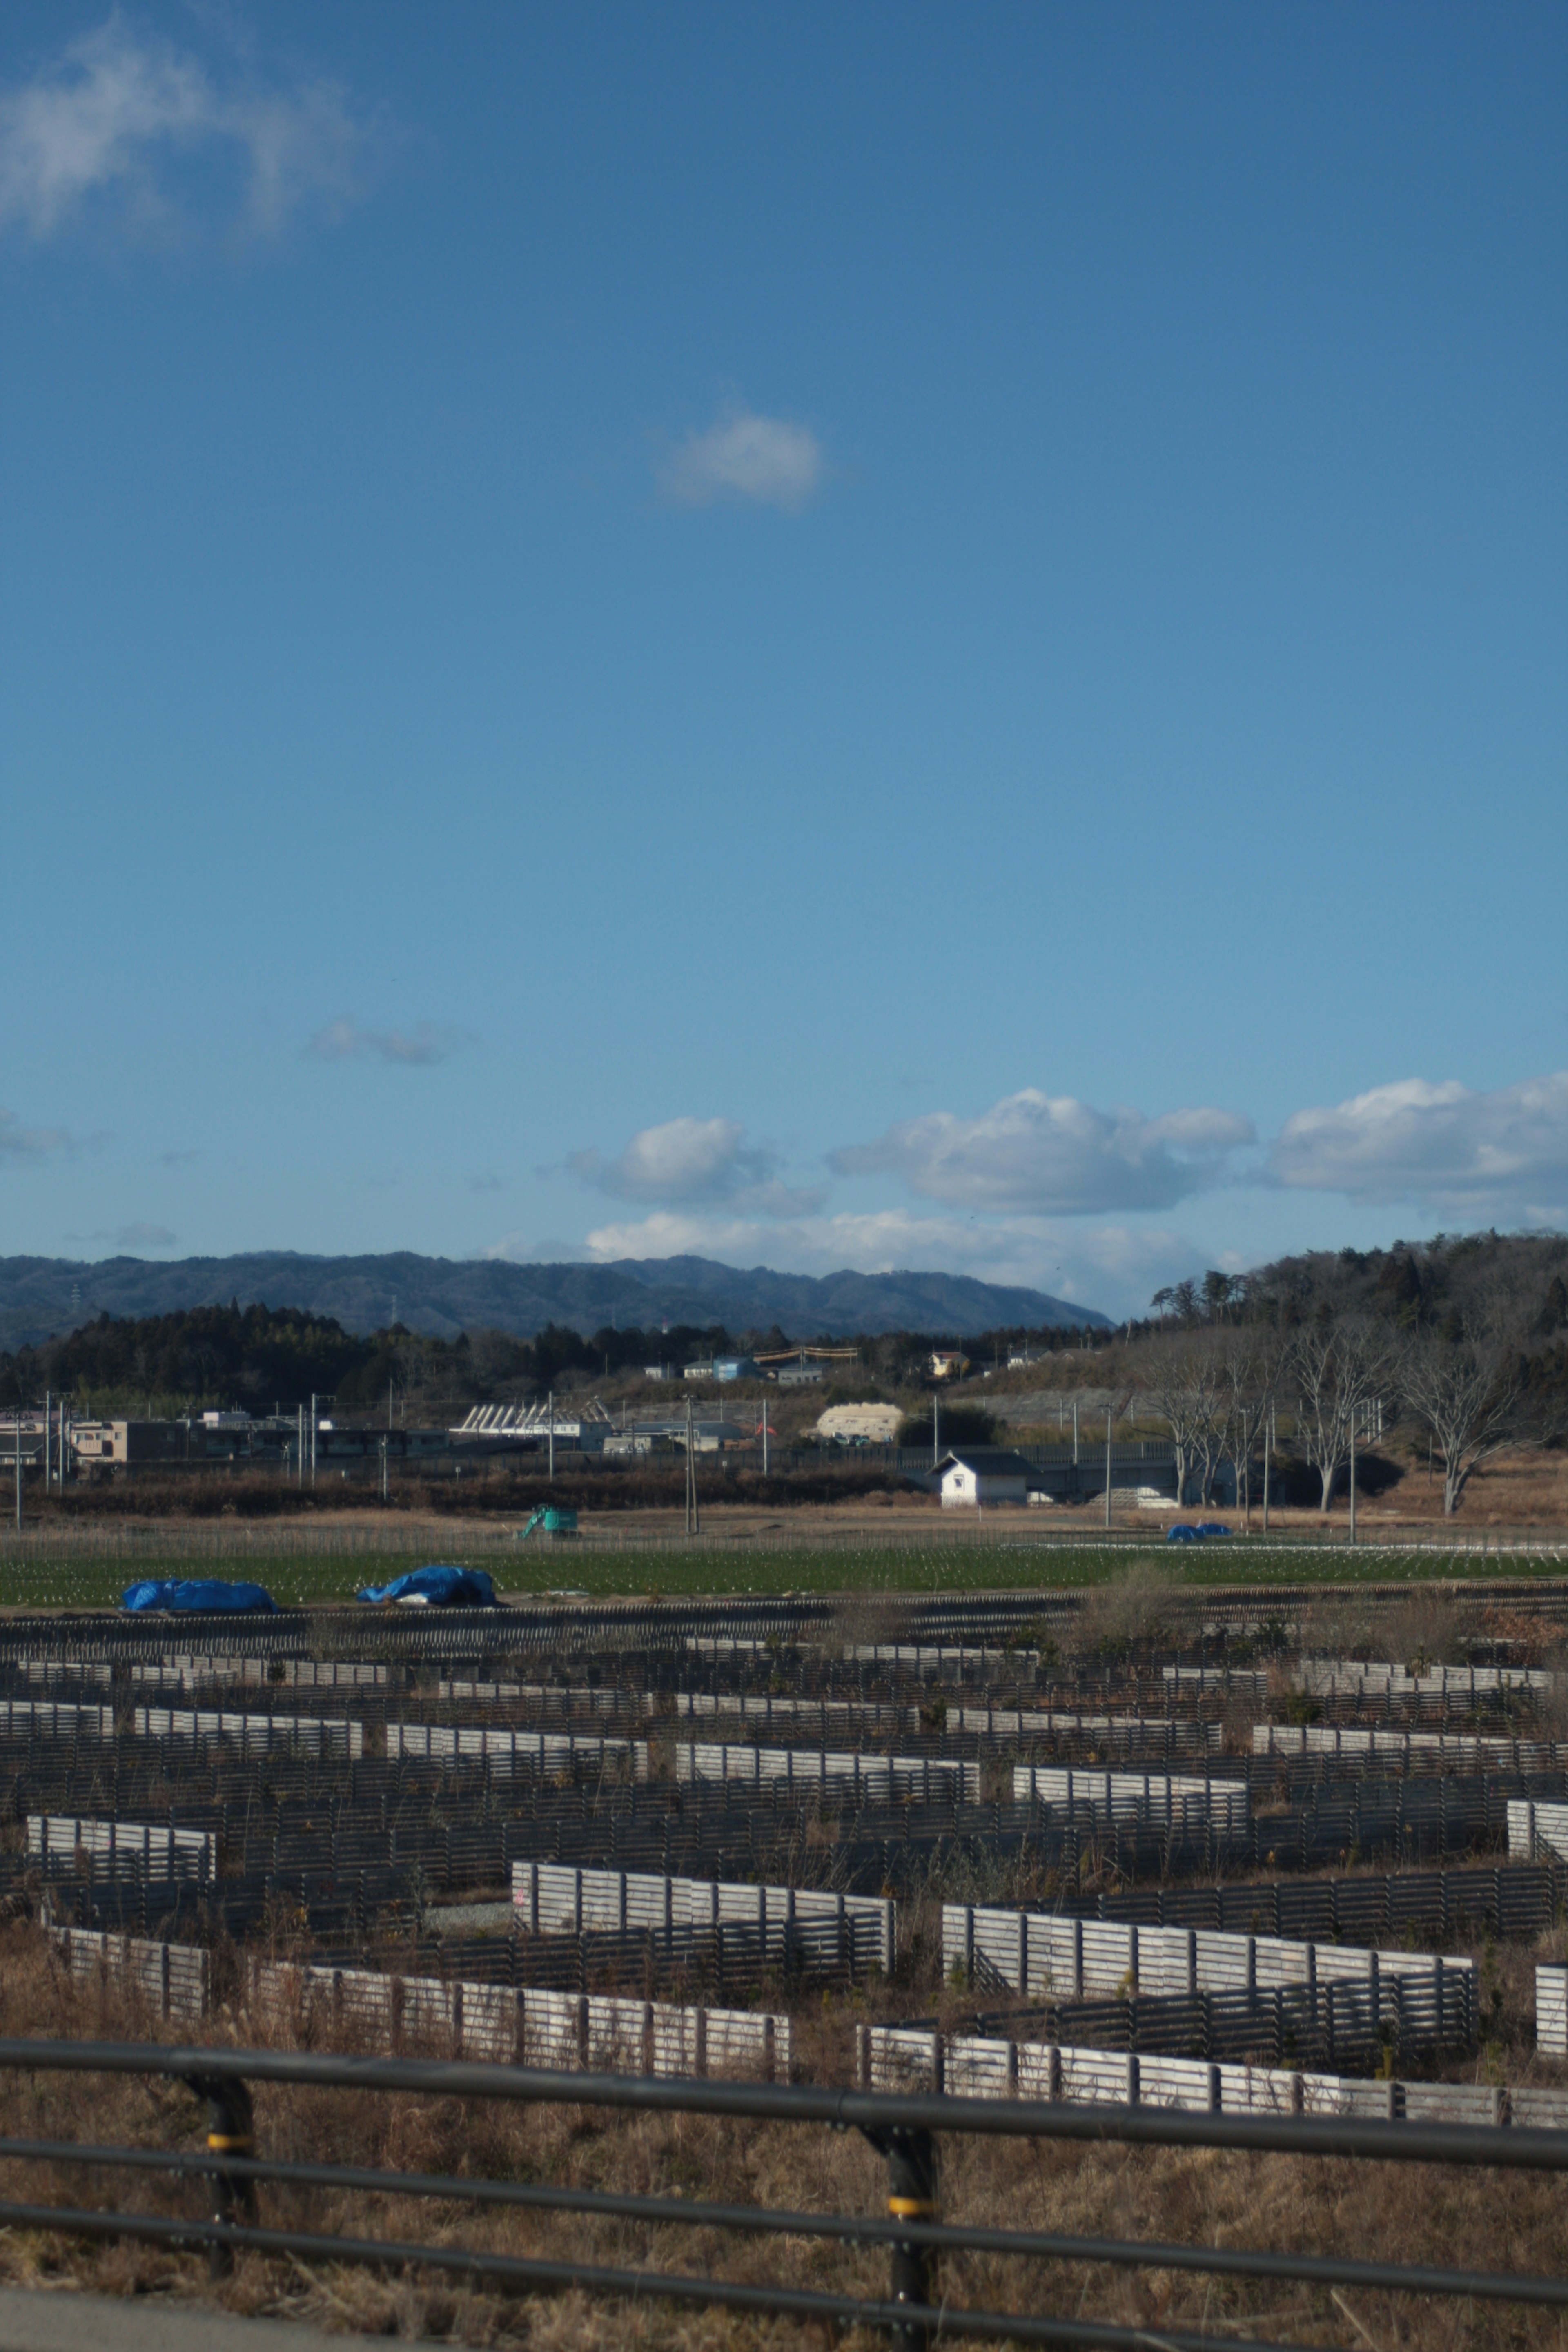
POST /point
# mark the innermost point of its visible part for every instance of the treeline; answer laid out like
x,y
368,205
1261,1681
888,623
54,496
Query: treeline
x,y
258,1357
1459,1343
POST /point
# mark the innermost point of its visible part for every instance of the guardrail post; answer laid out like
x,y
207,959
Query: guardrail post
x,y
911,2197
231,2131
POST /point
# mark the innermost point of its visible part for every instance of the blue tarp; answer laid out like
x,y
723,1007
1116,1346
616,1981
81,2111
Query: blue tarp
x,y
1182,1533
203,1596
1212,1528
441,1588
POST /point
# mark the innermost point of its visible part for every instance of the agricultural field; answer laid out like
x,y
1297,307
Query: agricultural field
x,y
305,1565
1150,1845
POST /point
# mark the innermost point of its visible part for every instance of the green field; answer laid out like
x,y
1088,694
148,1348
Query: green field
x,y
95,1578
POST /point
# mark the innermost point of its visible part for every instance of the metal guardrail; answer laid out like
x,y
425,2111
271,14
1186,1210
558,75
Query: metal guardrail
x,y
904,2128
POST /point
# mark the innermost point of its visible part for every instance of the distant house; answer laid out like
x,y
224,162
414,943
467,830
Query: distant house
x,y
981,1475
735,1367
948,1364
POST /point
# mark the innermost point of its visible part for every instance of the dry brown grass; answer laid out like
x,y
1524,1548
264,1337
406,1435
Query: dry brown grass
x,y
1204,2197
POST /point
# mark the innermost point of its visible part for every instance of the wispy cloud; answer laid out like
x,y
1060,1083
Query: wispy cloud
x,y
178,1159
688,1160
130,1237
1499,1154
20,1144
106,121
1053,1155
765,461
344,1041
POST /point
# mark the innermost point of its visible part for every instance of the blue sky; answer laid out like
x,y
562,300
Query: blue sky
x,y
901,635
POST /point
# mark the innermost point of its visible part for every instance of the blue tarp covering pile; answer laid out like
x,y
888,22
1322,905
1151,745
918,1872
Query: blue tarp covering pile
x,y
198,1596
438,1587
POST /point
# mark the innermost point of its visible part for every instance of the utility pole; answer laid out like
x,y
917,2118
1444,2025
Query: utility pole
x,y
690,1473
299,1443
1352,1474
936,1429
48,1431
764,1434
1075,1432
553,1438
1267,1450
1108,1411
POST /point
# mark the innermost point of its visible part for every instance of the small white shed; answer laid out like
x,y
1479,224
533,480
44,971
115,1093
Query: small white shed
x,y
982,1474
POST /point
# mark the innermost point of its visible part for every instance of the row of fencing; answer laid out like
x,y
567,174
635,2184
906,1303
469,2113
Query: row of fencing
x,y
508,1750
1180,1801
505,2025
789,1925
505,1752
1332,1677
1042,1952
1532,1826
1353,1744
917,2058
148,1851
1511,1899
252,1735
865,1779
725,1828
862,1779
541,2026
183,1670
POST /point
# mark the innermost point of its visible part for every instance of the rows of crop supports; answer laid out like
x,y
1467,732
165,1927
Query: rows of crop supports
x,y
368,1856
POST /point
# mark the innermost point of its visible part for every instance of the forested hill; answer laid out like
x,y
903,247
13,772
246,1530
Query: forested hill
x,y
44,1298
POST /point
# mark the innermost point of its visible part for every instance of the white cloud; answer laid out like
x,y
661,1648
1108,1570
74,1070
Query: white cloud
x,y
697,1159
1053,1155
107,118
1504,1153
1110,1267
764,459
427,1042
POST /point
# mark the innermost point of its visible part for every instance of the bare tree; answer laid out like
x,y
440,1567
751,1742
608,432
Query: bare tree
x,y
1467,1389
1336,1369
1183,1392
1248,1369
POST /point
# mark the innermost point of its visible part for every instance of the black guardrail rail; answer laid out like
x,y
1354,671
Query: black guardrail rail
x,y
230,2175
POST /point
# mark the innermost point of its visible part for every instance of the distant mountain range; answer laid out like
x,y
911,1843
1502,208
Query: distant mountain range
x,y
45,1297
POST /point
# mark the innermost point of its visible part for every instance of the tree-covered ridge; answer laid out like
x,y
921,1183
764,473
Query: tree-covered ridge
x,y
258,1357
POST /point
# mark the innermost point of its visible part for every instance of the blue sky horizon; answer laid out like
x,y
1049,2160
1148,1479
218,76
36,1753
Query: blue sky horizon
x,y
907,637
